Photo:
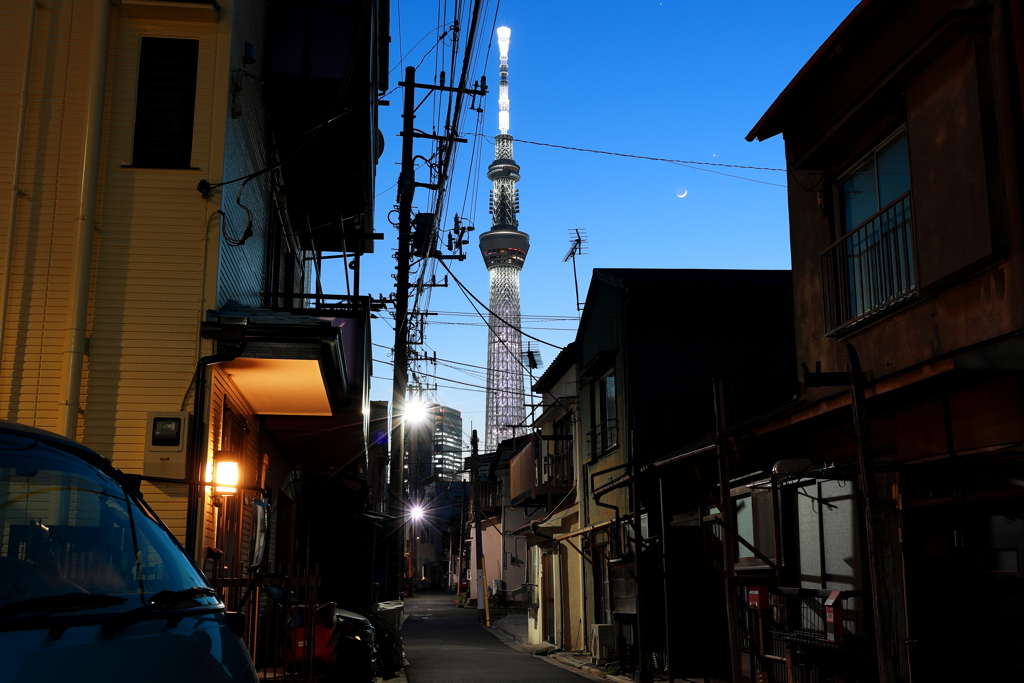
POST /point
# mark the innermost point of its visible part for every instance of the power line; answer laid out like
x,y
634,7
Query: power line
x,y
523,327
638,156
678,162
484,306
475,387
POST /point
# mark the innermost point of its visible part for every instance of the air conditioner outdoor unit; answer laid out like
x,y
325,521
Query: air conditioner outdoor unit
x,y
602,642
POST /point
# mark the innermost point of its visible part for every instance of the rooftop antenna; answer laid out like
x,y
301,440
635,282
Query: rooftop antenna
x,y
577,245
532,361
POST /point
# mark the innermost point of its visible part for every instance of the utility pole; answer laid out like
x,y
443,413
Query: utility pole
x,y
883,546
406,189
396,484
481,571
726,511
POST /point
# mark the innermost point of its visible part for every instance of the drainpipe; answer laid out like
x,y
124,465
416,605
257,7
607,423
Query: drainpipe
x,y
19,144
233,331
78,308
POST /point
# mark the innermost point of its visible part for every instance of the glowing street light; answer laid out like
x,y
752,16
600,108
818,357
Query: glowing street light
x,y
416,512
415,412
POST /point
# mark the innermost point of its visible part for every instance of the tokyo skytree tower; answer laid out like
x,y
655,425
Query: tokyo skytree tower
x,y
504,250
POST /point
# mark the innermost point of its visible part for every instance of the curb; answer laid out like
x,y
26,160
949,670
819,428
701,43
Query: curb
x,y
507,633
569,660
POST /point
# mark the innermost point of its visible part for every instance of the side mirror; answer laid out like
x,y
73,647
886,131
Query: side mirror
x,y
281,595
258,546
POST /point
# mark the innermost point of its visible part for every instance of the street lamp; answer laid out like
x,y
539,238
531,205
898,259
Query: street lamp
x,y
415,412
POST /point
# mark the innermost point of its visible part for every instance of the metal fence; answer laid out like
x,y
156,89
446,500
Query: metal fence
x,y
871,268
603,438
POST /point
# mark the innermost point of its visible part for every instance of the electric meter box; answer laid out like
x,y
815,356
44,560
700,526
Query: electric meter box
x,y
166,444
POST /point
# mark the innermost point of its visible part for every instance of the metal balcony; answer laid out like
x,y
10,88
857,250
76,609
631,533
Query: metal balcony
x,y
870,269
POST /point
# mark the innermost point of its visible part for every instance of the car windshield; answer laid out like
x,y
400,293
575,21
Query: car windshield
x,y
71,540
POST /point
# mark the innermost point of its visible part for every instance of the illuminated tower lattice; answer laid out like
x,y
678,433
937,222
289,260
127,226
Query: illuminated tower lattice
x,y
504,250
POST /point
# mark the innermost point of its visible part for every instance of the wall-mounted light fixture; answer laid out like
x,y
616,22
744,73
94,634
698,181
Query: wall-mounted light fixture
x,y
226,475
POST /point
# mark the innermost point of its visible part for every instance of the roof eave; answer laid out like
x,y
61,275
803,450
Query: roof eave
x,y
770,125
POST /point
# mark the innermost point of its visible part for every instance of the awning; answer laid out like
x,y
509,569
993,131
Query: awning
x,y
289,364
281,386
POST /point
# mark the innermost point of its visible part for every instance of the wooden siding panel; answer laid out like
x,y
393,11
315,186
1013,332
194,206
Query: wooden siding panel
x,y
944,131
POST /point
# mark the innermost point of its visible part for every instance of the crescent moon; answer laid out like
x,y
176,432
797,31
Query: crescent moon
x,y
685,192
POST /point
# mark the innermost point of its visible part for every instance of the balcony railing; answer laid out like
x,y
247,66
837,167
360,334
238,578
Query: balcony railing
x,y
870,269
603,438
557,469
490,495
536,470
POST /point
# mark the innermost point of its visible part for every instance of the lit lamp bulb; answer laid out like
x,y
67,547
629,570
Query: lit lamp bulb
x,y
416,512
225,474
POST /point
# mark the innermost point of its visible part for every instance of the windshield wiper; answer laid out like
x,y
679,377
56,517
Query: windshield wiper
x,y
167,598
160,601
69,602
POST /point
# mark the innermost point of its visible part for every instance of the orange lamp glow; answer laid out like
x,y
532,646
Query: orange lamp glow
x,y
225,474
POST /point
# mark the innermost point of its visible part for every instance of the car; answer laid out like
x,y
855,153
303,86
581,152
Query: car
x,y
93,586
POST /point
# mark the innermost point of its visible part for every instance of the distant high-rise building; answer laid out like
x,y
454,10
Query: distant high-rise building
x,y
504,250
435,446
447,455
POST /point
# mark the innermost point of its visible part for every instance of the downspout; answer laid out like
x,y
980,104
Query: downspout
x,y
198,446
15,189
644,674
78,299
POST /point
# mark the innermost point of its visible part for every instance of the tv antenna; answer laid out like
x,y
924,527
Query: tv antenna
x,y
577,245
531,361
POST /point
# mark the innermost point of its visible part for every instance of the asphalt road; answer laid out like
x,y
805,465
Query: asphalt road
x,y
444,644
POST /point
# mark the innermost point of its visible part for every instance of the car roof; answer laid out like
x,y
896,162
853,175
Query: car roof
x,y
56,439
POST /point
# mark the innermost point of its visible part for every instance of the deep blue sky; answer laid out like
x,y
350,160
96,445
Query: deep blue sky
x,y
677,79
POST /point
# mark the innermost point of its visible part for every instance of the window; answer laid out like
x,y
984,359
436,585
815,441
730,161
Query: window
x,y
558,468
604,435
165,103
870,268
878,181
71,536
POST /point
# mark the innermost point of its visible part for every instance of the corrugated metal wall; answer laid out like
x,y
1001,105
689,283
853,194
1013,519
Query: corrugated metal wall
x,y
243,269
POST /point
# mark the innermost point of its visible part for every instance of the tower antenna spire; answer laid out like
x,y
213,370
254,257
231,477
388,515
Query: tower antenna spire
x,y
504,34
504,248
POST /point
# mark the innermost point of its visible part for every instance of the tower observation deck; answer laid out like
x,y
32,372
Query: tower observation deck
x,y
504,248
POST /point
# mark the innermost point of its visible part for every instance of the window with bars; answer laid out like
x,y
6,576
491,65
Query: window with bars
x,y
871,267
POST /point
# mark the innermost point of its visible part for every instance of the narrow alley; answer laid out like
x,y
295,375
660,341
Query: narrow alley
x,y
445,644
